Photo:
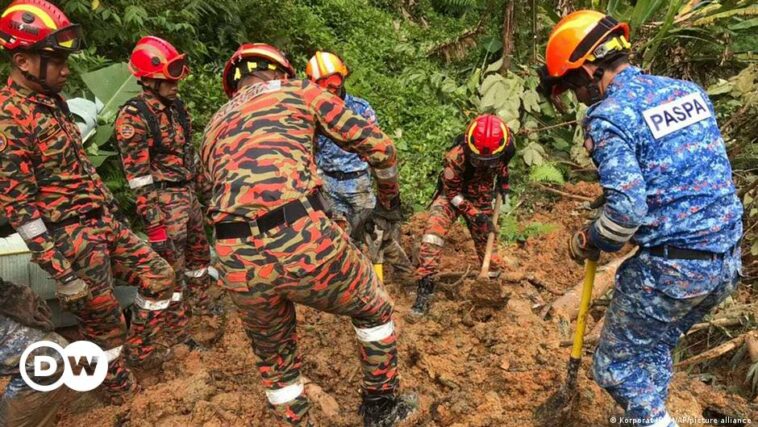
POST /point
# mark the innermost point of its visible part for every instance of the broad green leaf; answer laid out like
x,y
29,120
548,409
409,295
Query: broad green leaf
x,y
744,25
101,157
113,85
494,67
546,173
102,134
493,44
531,101
720,88
95,4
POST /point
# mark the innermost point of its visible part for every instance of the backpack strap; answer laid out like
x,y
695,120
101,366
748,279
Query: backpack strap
x,y
184,119
153,127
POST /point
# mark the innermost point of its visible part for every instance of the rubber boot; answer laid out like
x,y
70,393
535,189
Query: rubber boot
x,y
423,296
387,410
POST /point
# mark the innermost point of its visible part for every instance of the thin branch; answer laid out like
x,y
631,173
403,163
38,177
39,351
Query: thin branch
x,y
564,194
528,131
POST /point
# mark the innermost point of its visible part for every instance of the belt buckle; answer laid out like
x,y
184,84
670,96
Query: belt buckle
x,y
254,230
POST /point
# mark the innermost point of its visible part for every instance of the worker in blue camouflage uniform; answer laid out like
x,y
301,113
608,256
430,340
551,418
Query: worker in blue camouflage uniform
x,y
668,188
347,180
25,319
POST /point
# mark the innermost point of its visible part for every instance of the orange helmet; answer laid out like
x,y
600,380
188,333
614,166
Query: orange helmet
x,y
582,36
487,138
156,58
325,64
252,57
37,25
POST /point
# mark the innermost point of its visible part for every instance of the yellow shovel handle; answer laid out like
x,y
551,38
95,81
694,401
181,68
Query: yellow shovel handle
x,y
590,267
379,270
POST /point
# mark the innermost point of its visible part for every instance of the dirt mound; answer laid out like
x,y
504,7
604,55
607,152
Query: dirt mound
x,y
472,364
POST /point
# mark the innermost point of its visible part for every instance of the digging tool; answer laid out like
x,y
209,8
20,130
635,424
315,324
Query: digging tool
x,y
557,408
375,241
484,273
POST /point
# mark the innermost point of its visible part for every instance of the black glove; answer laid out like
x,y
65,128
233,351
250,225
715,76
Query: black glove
x,y
386,219
598,202
580,247
485,222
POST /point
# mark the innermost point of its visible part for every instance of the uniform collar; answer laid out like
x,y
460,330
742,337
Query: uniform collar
x,y
621,79
32,96
153,101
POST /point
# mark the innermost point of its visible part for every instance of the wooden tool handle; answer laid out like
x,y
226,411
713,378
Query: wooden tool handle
x,y
491,238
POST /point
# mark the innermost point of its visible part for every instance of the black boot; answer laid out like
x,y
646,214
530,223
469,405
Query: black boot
x,y
423,296
387,410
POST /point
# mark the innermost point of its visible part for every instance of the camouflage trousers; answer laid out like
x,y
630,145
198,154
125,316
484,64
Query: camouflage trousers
x,y
655,301
310,262
442,214
99,249
351,201
185,225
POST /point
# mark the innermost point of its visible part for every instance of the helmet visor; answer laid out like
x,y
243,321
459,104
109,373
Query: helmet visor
x,y
177,68
68,40
478,161
331,83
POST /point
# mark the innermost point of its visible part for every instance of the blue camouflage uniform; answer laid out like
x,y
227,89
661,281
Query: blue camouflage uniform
x,y
668,183
19,404
347,196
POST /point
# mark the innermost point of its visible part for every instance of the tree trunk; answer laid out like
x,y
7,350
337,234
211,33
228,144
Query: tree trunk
x,y
509,28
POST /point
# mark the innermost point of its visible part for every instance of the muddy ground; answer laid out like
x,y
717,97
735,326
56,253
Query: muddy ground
x,y
474,362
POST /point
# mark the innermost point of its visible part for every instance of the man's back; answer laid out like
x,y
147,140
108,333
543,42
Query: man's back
x,y
670,128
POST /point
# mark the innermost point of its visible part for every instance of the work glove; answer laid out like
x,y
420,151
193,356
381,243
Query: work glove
x,y
73,293
386,219
157,237
484,222
580,247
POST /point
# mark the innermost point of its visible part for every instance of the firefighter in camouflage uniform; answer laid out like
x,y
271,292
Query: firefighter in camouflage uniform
x,y
54,198
347,179
277,246
478,160
154,138
668,187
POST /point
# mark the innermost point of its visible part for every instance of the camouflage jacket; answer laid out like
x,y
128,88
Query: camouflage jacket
x,y
330,157
45,175
463,184
144,162
662,165
258,148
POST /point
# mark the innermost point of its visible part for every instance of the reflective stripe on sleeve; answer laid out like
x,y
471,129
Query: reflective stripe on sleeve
x,y
285,394
433,240
113,353
141,302
386,173
376,333
613,231
196,273
32,229
457,201
140,181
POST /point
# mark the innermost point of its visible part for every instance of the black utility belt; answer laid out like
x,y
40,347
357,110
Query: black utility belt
x,y
672,252
78,219
287,214
171,184
344,176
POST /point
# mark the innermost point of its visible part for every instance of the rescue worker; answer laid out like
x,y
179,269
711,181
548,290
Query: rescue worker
x,y
478,160
276,246
153,134
668,188
347,181
53,197
24,320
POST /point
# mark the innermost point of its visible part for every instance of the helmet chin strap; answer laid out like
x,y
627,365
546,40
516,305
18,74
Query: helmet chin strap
x,y
41,77
593,88
155,91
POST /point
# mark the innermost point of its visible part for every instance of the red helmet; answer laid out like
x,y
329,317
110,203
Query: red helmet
x,y
156,58
487,139
252,57
37,25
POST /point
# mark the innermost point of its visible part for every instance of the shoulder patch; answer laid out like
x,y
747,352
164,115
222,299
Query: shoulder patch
x,y
126,131
677,114
3,141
